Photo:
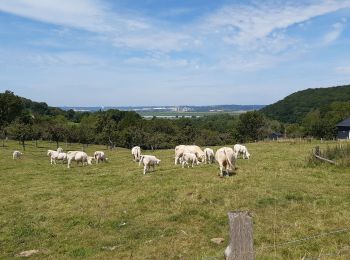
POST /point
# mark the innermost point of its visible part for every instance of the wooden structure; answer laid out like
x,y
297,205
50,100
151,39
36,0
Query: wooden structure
x,y
240,246
344,129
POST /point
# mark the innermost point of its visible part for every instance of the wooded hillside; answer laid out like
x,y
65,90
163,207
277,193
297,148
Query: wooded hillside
x,y
293,108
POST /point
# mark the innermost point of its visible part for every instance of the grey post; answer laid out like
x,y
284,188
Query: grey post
x,y
240,246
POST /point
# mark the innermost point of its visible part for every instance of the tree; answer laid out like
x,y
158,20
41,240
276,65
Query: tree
x,y
11,107
20,131
251,125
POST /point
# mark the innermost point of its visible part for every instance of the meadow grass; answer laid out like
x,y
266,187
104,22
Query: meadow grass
x,y
113,211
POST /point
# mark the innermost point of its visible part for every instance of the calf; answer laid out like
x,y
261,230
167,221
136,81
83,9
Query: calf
x,y
16,155
241,149
100,156
136,153
189,158
148,161
209,155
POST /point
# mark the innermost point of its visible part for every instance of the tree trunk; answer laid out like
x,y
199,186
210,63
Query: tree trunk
x,y
36,143
23,145
57,144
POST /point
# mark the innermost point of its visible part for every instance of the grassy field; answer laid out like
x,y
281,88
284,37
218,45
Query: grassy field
x,y
112,211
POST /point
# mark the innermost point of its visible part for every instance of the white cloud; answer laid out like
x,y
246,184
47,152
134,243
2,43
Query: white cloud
x,y
162,61
94,16
343,70
247,36
244,24
82,14
46,59
334,34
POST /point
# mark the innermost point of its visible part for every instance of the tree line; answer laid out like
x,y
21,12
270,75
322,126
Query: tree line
x,y
23,120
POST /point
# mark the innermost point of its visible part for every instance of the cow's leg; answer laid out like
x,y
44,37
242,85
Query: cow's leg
x,y
221,171
144,169
176,160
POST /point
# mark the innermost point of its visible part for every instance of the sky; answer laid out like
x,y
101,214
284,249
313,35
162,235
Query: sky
x,y
171,52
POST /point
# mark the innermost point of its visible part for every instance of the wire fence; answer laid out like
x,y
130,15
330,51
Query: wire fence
x,y
304,240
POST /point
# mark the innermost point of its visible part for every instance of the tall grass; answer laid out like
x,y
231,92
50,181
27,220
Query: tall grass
x,y
339,153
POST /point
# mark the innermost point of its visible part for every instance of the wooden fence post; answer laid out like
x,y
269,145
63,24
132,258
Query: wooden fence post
x,y
240,246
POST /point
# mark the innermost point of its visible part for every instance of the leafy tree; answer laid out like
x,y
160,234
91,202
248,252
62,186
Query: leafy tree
x,y
251,126
11,107
20,131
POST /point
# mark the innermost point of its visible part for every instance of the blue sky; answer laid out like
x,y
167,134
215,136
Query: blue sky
x,y
171,52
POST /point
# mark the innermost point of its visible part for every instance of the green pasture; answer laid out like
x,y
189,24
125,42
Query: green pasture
x,y
113,211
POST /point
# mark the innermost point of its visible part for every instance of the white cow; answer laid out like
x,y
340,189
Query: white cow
x,y
181,149
209,155
226,159
241,149
136,153
148,161
53,156
59,150
187,159
62,157
100,156
16,155
79,156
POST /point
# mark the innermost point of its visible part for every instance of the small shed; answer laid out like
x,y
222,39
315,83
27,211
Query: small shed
x,y
276,135
344,129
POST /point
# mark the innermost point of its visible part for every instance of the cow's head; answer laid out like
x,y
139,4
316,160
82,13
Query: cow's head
x,y
90,159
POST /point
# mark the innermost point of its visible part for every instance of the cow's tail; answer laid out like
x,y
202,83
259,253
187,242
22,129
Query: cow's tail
x,y
228,160
141,160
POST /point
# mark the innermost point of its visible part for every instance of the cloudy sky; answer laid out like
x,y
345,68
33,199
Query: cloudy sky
x,y
171,52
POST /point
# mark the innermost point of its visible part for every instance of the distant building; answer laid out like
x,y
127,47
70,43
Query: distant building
x,y
344,129
276,135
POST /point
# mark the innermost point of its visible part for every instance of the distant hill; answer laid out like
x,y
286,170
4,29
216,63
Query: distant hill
x,y
293,108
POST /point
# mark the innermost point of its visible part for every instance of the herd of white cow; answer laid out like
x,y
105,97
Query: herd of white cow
x,y
186,155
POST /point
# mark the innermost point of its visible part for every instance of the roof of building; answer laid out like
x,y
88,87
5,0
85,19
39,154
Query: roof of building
x,y
276,133
345,122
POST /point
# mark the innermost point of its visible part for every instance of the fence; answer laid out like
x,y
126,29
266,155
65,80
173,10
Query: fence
x,y
241,244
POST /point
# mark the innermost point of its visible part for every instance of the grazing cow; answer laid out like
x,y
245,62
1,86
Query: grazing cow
x,y
100,156
241,149
79,156
187,159
16,155
136,153
59,150
209,155
53,156
148,161
181,149
226,159
49,152
62,157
